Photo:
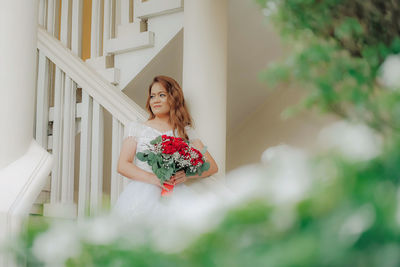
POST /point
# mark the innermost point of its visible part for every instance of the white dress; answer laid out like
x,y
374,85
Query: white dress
x,y
142,201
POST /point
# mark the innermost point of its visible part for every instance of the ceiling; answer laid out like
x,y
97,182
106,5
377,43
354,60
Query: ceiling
x,y
252,44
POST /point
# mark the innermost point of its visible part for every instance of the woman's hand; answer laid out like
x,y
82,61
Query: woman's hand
x,y
179,177
158,183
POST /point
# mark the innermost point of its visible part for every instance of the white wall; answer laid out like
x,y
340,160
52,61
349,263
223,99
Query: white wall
x,y
265,127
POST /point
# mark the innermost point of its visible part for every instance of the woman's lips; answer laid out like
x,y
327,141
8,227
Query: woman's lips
x,y
157,106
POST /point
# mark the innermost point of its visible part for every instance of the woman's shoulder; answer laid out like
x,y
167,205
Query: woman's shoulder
x,y
135,124
133,128
191,132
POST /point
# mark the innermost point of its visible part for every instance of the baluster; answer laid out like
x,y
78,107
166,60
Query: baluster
x,y
42,13
67,181
65,36
76,27
96,181
57,137
68,155
85,154
42,107
116,178
125,11
107,22
52,17
52,29
96,33
54,76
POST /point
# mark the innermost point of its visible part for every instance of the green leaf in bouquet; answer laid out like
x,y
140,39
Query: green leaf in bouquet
x,y
203,150
205,166
161,173
152,156
156,140
169,173
154,167
189,173
142,156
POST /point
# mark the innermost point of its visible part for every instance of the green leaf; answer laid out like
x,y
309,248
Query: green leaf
x,y
157,140
205,166
395,46
151,156
142,156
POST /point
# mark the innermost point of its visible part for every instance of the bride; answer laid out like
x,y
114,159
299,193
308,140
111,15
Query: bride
x,y
169,115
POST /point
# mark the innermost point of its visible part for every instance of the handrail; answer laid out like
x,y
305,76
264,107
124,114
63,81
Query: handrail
x,y
111,98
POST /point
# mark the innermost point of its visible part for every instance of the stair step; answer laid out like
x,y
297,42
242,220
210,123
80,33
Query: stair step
x,y
47,186
78,112
130,43
111,75
44,197
36,210
148,9
103,62
128,29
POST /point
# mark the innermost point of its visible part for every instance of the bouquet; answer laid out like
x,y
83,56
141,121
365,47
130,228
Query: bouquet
x,y
167,155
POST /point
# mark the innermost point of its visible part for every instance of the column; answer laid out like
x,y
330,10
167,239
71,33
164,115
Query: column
x,y
17,77
24,164
205,72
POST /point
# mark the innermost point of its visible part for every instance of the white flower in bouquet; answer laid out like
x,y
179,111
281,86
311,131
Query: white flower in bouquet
x,y
390,72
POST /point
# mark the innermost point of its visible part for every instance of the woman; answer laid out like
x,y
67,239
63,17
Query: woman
x,y
168,115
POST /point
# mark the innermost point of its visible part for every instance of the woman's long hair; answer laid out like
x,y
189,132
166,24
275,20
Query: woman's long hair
x,y
179,115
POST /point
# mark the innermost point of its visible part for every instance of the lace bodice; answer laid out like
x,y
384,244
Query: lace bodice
x,y
143,134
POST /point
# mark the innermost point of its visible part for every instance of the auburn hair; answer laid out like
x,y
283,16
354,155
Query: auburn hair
x,y
179,115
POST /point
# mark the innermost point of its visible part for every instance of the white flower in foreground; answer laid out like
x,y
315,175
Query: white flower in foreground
x,y
282,178
357,223
99,230
289,173
270,9
390,71
247,182
56,245
354,141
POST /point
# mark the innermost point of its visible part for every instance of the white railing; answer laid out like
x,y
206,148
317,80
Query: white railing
x,y
61,73
73,98
97,95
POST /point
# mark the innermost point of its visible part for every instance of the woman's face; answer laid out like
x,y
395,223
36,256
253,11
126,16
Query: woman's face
x,y
159,100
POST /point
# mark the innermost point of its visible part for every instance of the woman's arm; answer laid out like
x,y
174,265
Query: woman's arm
x,y
213,165
127,168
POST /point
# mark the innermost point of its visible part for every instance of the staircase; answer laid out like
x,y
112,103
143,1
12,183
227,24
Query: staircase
x,y
73,95
136,37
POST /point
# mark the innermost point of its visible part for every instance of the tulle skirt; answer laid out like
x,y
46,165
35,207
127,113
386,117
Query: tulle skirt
x,y
143,201
192,208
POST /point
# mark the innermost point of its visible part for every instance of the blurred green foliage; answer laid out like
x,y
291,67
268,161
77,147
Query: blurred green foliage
x,y
338,48
350,218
